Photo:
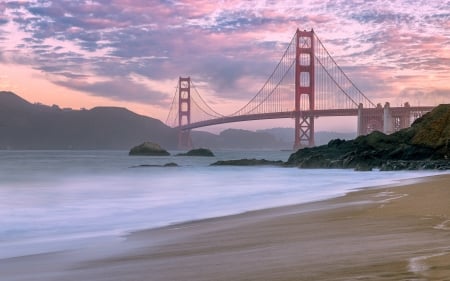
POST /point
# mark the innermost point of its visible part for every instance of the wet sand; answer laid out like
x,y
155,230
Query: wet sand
x,y
387,233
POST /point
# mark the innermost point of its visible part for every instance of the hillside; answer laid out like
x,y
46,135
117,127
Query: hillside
x,y
275,138
238,139
424,145
286,136
34,126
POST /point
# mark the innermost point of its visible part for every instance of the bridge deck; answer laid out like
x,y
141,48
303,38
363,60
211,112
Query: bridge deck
x,y
309,113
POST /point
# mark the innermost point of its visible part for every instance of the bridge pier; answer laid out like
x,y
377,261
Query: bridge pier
x,y
304,131
402,118
387,119
360,125
184,139
369,119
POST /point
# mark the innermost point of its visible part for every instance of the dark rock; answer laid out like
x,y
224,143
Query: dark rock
x,y
315,161
425,145
171,164
363,167
198,152
149,149
247,162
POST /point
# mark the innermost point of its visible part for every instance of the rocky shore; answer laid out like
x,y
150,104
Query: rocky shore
x,y
425,145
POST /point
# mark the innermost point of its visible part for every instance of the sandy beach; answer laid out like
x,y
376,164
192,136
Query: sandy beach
x,y
385,233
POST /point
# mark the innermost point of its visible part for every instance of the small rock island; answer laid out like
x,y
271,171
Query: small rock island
x,y
198,152
248,162
148,149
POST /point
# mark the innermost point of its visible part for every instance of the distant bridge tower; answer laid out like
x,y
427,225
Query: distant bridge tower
x,y
184,112
304,88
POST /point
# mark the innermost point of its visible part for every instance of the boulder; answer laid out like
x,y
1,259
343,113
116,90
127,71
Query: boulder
x,y
170,164
149,149
248,162
198,152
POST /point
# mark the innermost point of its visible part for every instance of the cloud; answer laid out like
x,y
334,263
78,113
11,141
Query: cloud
x,y
120,89
229,47
424,96
382,17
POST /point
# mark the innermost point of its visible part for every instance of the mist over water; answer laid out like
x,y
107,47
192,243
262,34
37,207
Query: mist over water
x,y
49,199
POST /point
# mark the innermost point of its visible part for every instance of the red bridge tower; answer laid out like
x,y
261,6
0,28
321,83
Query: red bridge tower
x,y
184,112
304,88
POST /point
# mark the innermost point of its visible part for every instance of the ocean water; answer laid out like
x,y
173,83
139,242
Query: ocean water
x,y
55,200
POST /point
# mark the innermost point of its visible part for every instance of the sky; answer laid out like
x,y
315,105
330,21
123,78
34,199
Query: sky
x,y
130,53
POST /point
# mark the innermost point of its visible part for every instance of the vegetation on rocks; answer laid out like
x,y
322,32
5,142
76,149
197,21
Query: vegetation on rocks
x,y
198,152
247,162
170,164
149,149
425,145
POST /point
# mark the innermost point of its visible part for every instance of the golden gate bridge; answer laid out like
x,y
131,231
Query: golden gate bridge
x,y
306,84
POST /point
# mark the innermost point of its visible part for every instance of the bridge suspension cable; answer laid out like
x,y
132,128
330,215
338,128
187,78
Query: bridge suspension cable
x,y
172,116
198,100
333,89
276,93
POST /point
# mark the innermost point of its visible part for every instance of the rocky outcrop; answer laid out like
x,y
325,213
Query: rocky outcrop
x,y
425,145
149,149
198,152
170,164
248,162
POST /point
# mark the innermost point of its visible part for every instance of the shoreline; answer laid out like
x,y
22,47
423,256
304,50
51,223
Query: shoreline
x,y
275,209
391,232
45,244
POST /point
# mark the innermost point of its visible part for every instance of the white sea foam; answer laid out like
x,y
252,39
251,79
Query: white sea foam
x,y
65,196
445,225
418,265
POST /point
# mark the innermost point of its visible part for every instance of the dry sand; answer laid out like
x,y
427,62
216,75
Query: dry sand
x,y
388,233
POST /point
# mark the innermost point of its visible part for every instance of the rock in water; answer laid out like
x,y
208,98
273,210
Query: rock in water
x,y
247,162
149,149
198,152
425,145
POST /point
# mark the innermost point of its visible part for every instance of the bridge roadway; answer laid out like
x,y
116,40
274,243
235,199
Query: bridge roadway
x,y
307,113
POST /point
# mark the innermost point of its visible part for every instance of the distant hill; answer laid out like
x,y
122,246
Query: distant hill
x,y
286,135
275,138
238,139
24,125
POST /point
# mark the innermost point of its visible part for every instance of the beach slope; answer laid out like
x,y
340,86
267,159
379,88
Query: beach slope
x,y
386,233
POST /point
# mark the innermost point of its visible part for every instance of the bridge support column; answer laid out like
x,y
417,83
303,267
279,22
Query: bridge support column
x,y
387,119
304,88
370,119
184,112
361,123
404,118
